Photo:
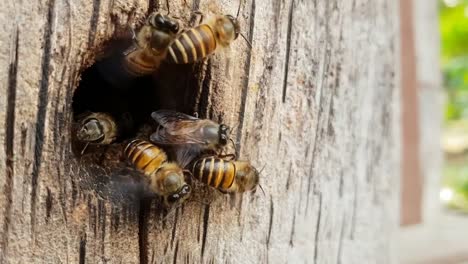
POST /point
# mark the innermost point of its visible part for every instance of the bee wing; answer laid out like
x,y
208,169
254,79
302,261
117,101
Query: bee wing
x,y
163,137
119,184
177,128
168,118
186,154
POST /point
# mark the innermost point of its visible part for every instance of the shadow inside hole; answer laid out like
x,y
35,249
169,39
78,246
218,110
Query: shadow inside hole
x,y
107,88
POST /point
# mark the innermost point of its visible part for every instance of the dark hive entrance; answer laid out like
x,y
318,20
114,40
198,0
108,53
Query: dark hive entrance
x,y
105,87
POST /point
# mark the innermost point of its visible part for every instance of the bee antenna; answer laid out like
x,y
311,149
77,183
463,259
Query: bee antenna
x,y
246,40
261,188
234,127
262,169
238,9
171,212
233,143
188,171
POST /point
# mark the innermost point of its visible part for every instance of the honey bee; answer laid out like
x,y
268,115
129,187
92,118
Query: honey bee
x,y
217,31
180,129
225,175
165,178
152,42
98,128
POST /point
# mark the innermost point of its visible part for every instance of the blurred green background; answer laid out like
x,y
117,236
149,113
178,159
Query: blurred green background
x,y
454,61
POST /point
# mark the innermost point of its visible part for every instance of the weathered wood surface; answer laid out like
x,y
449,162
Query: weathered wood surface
x,y
316,100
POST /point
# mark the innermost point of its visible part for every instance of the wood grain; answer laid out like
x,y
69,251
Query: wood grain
x,y
315,101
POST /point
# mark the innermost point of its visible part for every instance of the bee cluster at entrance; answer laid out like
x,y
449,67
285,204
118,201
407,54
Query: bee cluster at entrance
x,y
124,120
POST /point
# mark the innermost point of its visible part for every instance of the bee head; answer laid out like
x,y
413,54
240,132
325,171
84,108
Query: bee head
x,y
162,31
179,197
91,130
226,29
223,134
247,177
235,25
164,23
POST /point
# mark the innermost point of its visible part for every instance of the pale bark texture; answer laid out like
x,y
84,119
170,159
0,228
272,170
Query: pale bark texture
x,y
316,100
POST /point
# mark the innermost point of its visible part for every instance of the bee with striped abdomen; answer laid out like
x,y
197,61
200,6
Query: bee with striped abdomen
x,y
189,135
152,42
226,175
165,178
197,43
98,128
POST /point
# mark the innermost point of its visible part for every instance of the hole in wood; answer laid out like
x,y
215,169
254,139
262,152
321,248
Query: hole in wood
x,y
108,91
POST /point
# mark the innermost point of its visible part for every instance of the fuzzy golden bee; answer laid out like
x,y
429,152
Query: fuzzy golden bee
x,y
98,128
217,31
226,175
165,178
152,42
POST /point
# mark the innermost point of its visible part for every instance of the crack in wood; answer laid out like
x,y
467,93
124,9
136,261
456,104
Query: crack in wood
x,y
153,5
288,50
102,213
48,203
9,144
246,82
293,229
340,243
82,249
354,207
94,22
174,227
206,217
319,117
288,180
203,104
24,134
176,251
43,101
239,207
270,225
143,221
152,256
317,227
341,185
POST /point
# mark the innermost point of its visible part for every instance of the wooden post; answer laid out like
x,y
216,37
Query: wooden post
x,y
315,100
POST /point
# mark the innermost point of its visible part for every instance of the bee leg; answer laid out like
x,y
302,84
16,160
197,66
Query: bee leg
x,y
221,191
190,176
134,35
84,149
234,146
199,13
171,212
134,45
230,156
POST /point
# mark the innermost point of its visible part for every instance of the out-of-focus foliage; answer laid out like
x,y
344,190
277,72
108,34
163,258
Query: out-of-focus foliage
x,y
454,192
454,57
456,180
454,34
